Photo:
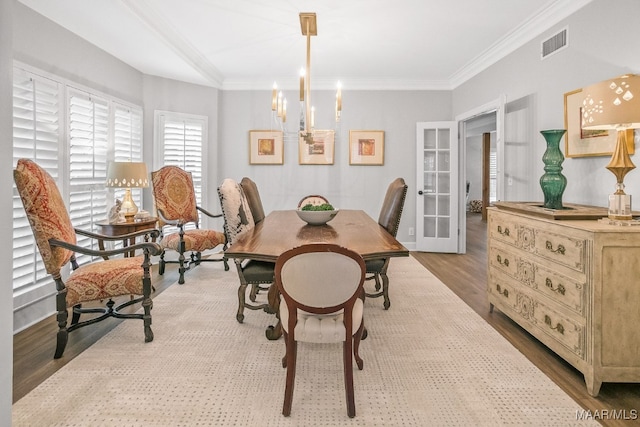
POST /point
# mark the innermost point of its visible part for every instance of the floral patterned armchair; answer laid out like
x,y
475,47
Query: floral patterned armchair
x,y
106,279
175,201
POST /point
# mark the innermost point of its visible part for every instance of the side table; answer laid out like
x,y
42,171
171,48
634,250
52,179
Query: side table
x,y
121,228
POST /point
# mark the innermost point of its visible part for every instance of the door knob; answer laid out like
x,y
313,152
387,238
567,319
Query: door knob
x,y
420,192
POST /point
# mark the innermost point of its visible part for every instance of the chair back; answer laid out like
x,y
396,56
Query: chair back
x,y
236,212
250,190
392,206
174,194
320,278
46,212
313,199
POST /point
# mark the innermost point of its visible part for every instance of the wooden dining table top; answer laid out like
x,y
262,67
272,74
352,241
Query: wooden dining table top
x,y
282,230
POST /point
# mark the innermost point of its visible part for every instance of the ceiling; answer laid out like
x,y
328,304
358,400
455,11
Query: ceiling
x,y
365,44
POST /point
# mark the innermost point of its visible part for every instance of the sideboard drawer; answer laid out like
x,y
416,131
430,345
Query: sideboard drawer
x,y
504,229
564,250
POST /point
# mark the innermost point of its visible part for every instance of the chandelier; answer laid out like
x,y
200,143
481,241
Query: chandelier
x,y
307,111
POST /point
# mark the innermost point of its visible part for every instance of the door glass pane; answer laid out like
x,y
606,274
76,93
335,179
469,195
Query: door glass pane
x,y
429,205
443,205
443,161
444,183
443,139
429,182
429,139
443,228
429,161
429,227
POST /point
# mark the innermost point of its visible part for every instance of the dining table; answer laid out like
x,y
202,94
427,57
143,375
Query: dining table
x,y
282,230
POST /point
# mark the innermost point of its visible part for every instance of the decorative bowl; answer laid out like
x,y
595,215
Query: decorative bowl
x,y
316,217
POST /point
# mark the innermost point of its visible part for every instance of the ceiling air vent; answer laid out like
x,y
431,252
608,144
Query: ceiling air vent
x,y
554,43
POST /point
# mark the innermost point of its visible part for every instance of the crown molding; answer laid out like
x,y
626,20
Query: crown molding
x,y
347,84
549,16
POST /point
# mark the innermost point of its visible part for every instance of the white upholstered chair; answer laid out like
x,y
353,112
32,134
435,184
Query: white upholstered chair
x,y
321,302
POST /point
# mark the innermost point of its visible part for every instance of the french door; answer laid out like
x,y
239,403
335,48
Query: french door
x,y
437,185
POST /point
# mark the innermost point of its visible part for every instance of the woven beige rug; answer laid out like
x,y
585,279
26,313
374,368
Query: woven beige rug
x,y
428,361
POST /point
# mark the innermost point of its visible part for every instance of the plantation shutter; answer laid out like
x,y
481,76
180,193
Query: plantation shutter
x,y
127,143
88,142
36,135
181,143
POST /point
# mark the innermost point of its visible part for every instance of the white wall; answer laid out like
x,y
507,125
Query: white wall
x,y
601,45
348,187
6,199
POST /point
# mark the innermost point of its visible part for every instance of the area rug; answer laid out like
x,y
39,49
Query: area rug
x,y
428,361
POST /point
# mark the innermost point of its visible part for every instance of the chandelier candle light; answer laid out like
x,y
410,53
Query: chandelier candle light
x,y
308,26
614,104
127,175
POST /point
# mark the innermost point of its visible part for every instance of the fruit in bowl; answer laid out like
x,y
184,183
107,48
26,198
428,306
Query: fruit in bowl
x,y
317,214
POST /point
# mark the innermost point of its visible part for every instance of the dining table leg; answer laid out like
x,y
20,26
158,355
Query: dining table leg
x,y
273,298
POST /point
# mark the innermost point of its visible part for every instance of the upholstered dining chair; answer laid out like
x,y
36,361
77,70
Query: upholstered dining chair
x,y
175,201
250,190
321,288
389,218
238,219
106,279
312,199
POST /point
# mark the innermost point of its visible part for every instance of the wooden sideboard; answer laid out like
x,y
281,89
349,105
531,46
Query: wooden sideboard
x,y
572,284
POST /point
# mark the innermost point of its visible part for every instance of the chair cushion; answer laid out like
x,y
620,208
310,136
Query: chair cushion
x,y
374,265
174,194
321,328
46,212
235,208
105,279
194,240
258,271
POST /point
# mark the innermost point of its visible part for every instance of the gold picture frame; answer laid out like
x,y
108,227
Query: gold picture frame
x,y
319,150
585,143
366,147
266,147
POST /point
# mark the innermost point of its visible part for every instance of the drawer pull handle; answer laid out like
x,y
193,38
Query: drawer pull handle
x,y
501,292
559,289
505,262
559,250
558,327
505,232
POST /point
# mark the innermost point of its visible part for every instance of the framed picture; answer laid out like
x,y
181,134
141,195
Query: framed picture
x,y
266,147
318,149
366,147
582,142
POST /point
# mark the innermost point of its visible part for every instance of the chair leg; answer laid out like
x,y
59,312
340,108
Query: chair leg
x,y
356,346
242,290
161,264
292,350
181,269
225,261
385,290
255,288
348,377
376,277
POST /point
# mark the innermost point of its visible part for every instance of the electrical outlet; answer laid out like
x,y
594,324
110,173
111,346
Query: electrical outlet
x,y
509,181
411,231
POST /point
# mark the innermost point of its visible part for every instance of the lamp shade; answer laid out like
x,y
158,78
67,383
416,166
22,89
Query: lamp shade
x,y
612,104
127,175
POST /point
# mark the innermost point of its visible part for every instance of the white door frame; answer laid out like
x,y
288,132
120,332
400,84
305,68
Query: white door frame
x,y
496,105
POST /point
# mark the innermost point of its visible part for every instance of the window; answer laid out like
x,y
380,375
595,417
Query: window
x,y
36,135
180,142
98,129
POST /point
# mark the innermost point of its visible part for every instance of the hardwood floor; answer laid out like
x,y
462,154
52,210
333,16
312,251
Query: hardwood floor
x,y
464,274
